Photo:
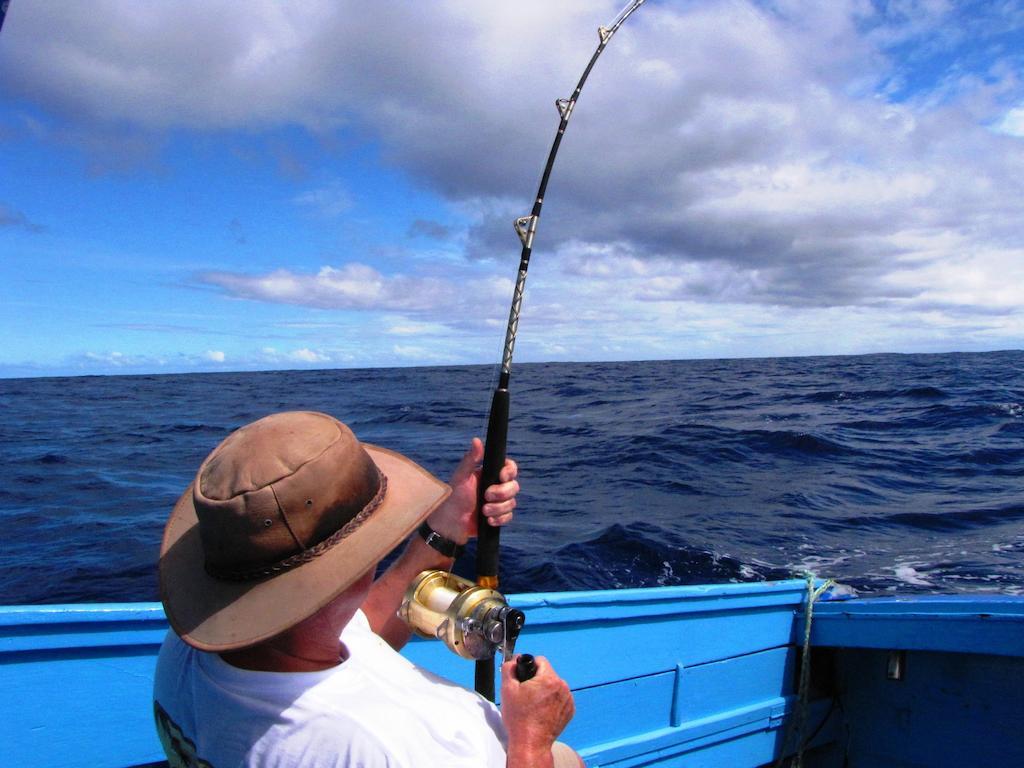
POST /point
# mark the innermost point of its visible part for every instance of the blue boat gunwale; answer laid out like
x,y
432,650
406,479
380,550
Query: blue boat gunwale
x,y
62,613
987,624
868,622
50,628
639,601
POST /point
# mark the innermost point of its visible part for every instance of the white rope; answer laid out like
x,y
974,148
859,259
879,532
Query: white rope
x,y
803,690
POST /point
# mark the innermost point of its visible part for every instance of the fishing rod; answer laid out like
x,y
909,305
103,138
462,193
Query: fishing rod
x,y
488,536
475,620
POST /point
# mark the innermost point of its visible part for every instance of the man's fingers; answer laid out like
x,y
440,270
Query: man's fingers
x,y
508,670
499,512
509,472
502,491
496,521
470,460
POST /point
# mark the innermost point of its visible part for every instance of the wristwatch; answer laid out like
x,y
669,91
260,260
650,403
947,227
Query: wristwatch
x,y
446,547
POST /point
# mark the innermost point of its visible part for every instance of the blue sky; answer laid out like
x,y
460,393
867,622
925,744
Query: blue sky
x,y
197,186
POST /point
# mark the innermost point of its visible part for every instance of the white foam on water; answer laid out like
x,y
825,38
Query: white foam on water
x,y
910,575
824,564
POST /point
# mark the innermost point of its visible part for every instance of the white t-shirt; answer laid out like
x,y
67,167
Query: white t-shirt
x,y
375,709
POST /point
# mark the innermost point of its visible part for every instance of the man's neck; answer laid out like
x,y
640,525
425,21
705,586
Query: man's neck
x,y
313,644
270,657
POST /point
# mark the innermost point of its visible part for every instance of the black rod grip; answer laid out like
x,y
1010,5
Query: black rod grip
x,y
483,680
488,536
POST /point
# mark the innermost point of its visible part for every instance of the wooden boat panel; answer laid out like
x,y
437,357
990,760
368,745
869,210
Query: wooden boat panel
x,y
949,710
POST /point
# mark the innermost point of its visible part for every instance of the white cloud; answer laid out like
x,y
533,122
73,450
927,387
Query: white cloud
x,y
1012,122
352,286
797,156
116,359
133,362
413,329
309,356
452,301
329,201
266,357
303,355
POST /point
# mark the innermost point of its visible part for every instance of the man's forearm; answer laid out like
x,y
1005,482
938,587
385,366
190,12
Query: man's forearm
x,y
381,606
528,758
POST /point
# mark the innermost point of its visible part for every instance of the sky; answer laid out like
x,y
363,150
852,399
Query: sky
x,y
207,185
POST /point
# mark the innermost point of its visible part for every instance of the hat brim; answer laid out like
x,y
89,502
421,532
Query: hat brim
x,y
218,615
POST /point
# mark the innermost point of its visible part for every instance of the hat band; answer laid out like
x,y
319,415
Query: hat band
x,y
293,561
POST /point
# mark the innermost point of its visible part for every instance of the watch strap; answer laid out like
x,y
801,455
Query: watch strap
x,y
445,546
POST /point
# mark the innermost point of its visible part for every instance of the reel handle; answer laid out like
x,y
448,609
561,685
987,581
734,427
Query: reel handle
x,y
526,667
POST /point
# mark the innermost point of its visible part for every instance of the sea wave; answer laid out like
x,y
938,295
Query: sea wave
x,y
888,472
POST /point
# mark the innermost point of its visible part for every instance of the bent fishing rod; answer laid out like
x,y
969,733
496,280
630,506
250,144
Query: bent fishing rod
x,y
488,536
475,620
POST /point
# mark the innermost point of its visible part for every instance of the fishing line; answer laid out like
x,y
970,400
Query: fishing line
x,y
497,422
492,384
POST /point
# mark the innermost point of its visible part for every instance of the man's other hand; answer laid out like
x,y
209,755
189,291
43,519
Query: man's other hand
x,y
455,519
535,712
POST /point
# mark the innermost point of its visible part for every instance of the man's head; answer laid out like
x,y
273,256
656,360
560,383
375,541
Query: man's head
x,y
282,516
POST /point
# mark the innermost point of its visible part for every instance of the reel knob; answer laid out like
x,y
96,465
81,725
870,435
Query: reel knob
x,y
526,667
495,633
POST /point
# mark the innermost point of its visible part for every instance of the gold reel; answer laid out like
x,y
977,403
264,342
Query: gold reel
x,y
472,621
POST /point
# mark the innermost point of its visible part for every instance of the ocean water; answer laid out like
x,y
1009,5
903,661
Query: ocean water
x,y
887,472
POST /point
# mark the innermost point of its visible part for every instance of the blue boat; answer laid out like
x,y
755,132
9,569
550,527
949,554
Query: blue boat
x,y
690,676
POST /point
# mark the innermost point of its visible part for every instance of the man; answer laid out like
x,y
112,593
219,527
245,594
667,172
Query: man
x,y
284,650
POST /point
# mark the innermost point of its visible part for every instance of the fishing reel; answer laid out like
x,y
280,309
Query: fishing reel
x,y
472,621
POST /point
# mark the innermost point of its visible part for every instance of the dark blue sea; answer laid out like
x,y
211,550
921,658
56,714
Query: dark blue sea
x,y
886,472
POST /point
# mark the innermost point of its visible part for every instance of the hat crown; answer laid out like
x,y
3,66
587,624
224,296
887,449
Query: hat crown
x,y
266,451
277,489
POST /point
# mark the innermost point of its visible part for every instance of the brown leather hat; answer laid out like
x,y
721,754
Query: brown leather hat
x,y
283,515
